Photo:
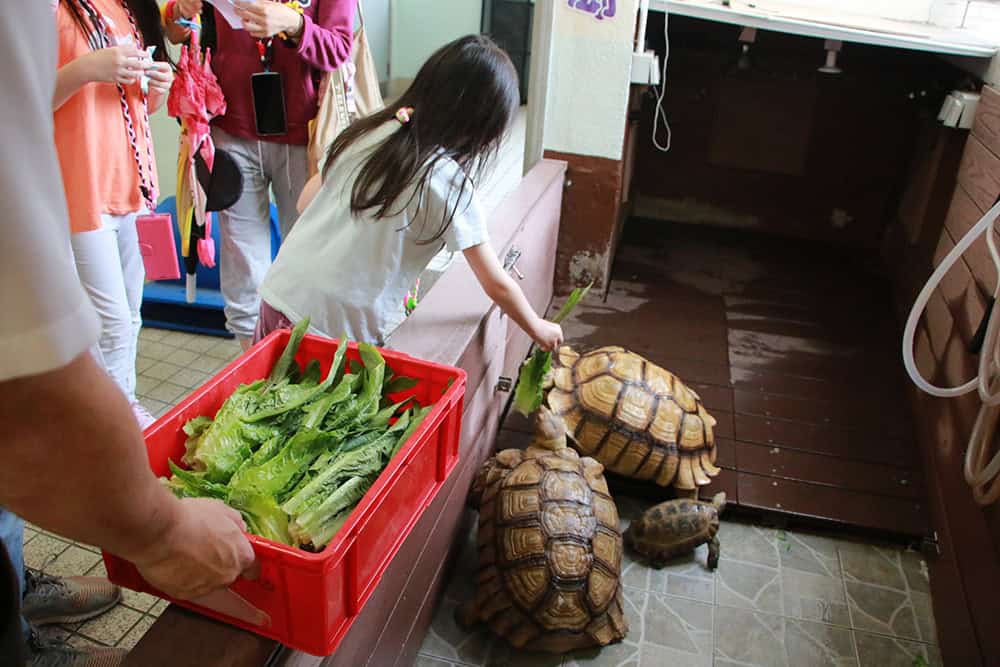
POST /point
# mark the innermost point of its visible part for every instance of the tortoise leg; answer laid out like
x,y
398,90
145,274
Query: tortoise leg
x,y
467,615
713,553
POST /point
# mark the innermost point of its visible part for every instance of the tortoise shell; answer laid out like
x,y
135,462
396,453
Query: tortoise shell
x,y
676,527
636,418
550,552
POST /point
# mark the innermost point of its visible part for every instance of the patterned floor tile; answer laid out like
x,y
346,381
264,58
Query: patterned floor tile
x,y
427,661
813,597
872,565
923,609
749,586
915,569
145,384
749,638
879,651
43,550
882,610
138,601
167,392
72,562
133,636
805,552
622,654
112,627
819,644
190,378
445,639
161,370
748,543
678,628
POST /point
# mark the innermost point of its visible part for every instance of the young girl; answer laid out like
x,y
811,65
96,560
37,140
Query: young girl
x,y
395,188
106,88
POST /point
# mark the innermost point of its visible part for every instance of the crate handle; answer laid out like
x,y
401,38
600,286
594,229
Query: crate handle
x,y
228,603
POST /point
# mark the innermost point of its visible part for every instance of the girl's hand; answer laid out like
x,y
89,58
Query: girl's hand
x,y
122,64
264,18
188,9
161,76
548,335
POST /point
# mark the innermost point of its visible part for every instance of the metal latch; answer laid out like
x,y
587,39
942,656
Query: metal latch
x,y
504,384
510,262
930,546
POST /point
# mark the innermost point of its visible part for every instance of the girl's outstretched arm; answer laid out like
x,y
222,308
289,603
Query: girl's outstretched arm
x,y
506,293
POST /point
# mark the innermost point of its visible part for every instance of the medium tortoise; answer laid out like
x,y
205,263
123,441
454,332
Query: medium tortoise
x,y
636,418
676,527
550,549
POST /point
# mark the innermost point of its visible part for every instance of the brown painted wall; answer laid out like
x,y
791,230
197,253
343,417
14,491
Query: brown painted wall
x,y
779,147
591,213
966,578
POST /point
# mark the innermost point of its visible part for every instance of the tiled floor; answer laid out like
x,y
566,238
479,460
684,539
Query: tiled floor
x,y
777,599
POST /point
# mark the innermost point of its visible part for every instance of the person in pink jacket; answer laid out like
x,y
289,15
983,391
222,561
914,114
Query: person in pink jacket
x,y
276,59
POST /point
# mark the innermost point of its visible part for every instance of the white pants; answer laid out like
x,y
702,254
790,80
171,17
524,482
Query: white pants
x,y
111,270
245,228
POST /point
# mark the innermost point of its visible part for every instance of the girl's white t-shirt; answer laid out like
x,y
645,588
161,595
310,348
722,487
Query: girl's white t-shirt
x,y
350,274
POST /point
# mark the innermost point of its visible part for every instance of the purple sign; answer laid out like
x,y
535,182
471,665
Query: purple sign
x,y
599,9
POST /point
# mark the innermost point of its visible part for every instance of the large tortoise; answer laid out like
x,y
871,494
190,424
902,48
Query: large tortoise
x,y
636,418
550,549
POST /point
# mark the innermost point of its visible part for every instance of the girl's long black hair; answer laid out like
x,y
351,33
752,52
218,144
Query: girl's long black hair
x,y
464,99
147,19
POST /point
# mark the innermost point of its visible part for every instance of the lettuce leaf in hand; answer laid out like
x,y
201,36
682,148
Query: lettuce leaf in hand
x,y
530,391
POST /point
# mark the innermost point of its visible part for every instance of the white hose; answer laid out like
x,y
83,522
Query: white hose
x,y
981,472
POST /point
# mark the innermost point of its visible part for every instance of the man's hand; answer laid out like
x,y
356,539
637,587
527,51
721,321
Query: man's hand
x,y
203,550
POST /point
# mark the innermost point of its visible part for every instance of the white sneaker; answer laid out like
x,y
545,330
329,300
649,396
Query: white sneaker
x,y
142,415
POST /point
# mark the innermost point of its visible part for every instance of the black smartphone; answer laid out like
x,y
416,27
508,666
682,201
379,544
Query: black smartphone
x,y
268,103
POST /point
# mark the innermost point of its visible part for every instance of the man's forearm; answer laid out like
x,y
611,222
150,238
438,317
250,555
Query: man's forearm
x,y
72,461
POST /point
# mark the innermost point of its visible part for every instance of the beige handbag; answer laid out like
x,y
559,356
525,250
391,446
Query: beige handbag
x,y
349,92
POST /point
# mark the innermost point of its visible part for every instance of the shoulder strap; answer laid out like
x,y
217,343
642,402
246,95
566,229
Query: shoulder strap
x,y
361,14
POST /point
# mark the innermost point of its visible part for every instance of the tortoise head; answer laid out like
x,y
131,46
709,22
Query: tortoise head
x,y
550,430
719,501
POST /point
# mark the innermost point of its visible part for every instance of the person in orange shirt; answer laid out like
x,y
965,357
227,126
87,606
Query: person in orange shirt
x,y
106,87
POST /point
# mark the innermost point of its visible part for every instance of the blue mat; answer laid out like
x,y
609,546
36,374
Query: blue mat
x,y
164,303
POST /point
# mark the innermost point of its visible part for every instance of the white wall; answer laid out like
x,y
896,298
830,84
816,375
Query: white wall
x,y
419,27
377,30
589,81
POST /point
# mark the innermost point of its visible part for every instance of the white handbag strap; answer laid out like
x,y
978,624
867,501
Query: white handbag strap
x,y
361,14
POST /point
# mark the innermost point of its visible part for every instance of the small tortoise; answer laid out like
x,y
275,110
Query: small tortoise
x,y
550,549
676,527
636,418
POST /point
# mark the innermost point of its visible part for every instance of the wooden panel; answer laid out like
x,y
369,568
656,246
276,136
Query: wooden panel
x,y
940,323
977,558
804,357
871,416
882,513
955,281
969,311
817,469
979,174
986,127
962,215
823,439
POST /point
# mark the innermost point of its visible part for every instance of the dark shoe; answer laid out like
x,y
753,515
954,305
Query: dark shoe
x,y
50,600
46,652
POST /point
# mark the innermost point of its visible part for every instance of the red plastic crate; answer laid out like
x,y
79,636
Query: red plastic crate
x,y
304,600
